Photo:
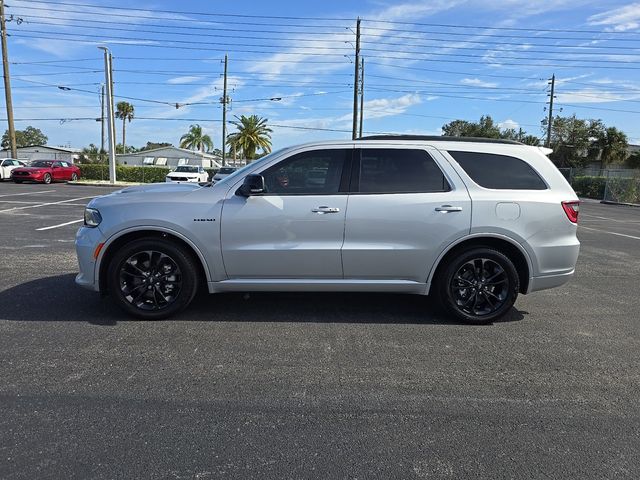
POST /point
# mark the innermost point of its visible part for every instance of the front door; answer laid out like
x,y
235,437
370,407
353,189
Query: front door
x,y
296,228
405,209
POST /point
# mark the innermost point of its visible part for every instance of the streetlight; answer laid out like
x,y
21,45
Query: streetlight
x,y
110,115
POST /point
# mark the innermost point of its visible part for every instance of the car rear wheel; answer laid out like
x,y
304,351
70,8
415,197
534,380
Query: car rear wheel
x,y
47,178
478,286
152,278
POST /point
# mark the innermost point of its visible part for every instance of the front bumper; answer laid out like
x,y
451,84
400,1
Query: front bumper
x,y
87,240
32,177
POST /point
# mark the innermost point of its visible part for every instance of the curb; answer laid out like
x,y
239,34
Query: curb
x,y
609,202
107,185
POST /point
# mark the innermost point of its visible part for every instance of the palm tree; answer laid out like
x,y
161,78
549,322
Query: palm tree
x,y
252,134
194,139
124,110
613,146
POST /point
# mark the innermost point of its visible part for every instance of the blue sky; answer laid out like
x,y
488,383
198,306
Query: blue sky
x,y
426,63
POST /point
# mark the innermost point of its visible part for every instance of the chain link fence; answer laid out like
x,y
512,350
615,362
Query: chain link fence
x,y
610,185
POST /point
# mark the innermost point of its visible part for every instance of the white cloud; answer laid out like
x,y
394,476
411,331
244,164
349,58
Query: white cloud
x,y
592,95
478,83
185,79
509,124
618,19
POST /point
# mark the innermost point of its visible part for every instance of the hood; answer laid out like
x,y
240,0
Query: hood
x,y
182,174
161,188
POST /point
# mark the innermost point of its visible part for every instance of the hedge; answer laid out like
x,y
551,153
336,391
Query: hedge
x,y
590,186
624,190
124,173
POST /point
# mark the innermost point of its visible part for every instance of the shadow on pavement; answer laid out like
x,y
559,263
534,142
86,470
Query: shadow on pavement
x,y
58,298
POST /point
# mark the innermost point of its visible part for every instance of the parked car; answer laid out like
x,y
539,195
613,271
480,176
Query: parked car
x,y
188,173
46,171
8,164
223,172
391,214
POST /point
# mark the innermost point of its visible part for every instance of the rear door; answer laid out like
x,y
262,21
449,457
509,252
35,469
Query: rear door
x,y
406,206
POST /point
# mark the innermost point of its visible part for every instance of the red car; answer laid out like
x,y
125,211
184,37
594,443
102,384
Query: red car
x,y
46,171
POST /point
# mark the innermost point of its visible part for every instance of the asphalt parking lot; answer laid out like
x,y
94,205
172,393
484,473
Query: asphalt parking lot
x,y
313,385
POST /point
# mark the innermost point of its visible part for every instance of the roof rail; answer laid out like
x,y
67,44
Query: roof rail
x,y
437,138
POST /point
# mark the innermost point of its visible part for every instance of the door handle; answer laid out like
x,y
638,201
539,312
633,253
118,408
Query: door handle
x,y
448,208
324,209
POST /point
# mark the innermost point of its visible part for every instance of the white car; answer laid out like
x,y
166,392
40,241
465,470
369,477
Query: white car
x,y
223,172
472,222
8,164
188,173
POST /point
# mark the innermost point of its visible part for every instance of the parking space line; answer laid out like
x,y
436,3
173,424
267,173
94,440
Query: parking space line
x,y
610,233
26,193
609,219
45,204
59,225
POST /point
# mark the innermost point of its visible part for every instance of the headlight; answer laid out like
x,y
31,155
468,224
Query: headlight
x,y
92,217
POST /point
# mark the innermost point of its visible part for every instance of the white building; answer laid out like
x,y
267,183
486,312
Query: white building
x,y
44,152
169,157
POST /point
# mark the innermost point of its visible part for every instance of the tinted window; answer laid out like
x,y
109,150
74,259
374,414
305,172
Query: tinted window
x,y
312,173
499,171
399,171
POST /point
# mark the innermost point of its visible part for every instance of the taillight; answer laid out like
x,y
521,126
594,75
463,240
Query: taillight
x,y
572,209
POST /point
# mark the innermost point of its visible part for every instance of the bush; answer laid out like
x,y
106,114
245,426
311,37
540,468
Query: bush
x,y
624,190
124,173
590,186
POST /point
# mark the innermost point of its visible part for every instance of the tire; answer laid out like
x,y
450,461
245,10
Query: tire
x,y
74,177
47,178
478,286
138,286
17,181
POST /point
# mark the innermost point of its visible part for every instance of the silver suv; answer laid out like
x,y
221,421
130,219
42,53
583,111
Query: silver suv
x,y
469,221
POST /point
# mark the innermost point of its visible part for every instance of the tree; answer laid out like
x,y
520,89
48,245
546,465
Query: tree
x,y
485,128
569,141
195,139
613,145
90,154
152,145
124,111
253,134
25,138
125,149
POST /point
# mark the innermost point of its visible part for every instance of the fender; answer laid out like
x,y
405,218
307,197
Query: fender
x,y
506,238
147,228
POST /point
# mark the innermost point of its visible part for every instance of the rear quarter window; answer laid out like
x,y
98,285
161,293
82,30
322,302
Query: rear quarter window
x,y
503,172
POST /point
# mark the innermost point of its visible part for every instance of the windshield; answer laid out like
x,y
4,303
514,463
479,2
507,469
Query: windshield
x,y
227,170
260,161
187,169
41,163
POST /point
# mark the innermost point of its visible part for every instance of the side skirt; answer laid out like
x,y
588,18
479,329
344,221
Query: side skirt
x,y
314,285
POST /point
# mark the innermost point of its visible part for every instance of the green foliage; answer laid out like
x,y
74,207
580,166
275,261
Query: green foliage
x,y
92,154
124,173
590,186
195,139
253,134
633,161
125,149
25,138
125,112
485,128
152,145
623,190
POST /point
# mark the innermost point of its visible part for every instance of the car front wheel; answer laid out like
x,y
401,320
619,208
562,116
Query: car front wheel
x,y
478,286
46,179
152,278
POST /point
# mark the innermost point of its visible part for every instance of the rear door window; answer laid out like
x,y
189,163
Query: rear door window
x,y
502,172
392,170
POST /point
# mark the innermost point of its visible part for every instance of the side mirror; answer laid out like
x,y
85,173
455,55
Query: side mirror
x,y
253,185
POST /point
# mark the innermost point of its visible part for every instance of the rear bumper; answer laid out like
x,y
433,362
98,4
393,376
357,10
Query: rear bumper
x,y
549,281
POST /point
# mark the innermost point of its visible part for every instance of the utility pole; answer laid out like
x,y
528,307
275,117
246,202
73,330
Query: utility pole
x,y
355,82
7,84
550,120
102,120
110,114
361,97
224,101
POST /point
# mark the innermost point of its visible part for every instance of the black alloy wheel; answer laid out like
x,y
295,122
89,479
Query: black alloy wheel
x,y
479,286
152,278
